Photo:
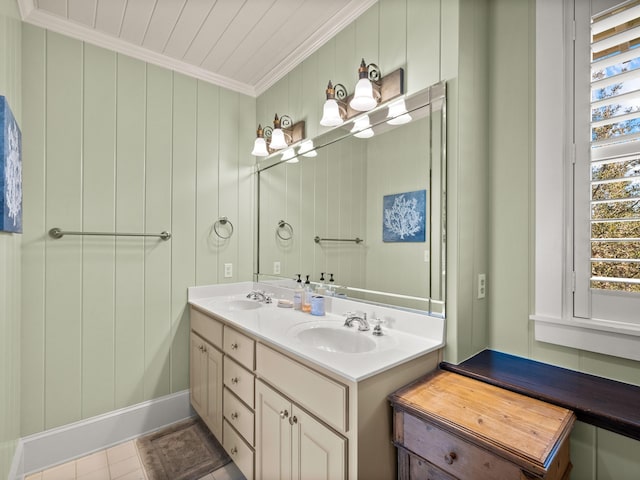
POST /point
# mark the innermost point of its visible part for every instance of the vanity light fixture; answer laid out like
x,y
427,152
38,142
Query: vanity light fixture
x,y
398,114
363,98
260,145
289,156
277,135
307,149
283,134
362,127
334,111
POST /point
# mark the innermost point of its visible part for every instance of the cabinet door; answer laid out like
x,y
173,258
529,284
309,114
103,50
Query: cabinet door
x,y
198,375
214,390
273,435
318,452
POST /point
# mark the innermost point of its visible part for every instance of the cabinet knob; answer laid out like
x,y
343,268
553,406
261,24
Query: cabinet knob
x,y
235,380
293,420
234,416
450,457
201,348
233,451
234,346
284,414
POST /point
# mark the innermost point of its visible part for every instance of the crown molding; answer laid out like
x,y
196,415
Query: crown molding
x,y
40,18
56,24
338,22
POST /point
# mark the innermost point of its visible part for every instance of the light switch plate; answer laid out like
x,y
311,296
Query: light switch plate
x,y
228,270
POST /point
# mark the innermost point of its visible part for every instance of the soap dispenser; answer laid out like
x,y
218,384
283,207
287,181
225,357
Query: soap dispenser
x,y
298,294
322,289
306,299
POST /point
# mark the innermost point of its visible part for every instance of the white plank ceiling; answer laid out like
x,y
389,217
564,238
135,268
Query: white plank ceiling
x,y
244,45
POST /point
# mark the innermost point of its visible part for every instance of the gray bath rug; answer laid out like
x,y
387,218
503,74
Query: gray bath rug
x,y
183,451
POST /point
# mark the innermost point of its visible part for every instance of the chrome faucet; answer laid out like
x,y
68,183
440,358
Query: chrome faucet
x,y
363,324
259,296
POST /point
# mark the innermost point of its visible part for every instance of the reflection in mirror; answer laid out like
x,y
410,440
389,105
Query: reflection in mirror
x,y
368,211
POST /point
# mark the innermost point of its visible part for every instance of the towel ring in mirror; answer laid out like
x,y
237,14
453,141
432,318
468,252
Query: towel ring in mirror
x,y
223,221
286,229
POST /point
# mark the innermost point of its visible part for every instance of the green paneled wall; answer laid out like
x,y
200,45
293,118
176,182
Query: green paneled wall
x,y
596,454
115,144
10,268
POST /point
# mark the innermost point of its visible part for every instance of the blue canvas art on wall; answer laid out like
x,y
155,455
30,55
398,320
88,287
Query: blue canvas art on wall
x,y
404,217
10,171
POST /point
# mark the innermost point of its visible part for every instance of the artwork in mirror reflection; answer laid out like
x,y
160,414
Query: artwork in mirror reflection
x,y
404,217
332,205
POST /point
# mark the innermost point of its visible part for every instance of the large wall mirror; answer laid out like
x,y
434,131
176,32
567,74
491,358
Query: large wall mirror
x,y
369,212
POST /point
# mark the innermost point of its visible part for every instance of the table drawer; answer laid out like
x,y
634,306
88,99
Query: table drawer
x,y
206,327
239,415
240,347
240,452
322,396
239,380
449,452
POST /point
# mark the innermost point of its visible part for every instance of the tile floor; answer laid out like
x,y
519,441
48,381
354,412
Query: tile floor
x,y
121,462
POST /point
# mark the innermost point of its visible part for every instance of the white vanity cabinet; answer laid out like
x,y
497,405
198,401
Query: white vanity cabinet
x,y
292,444
285,416
206,370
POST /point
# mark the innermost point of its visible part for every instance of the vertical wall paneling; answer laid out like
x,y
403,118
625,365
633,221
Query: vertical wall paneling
x,y
246,188
393,35
34,228
98,214
207,167
10,248
183,242
130,217
423,28
228,184
367,40
63,330
158,196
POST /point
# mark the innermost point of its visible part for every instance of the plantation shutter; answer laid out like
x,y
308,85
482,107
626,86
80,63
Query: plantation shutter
x,y
615,149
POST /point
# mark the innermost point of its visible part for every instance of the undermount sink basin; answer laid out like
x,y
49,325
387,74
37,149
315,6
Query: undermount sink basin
x,y
336,339
243,304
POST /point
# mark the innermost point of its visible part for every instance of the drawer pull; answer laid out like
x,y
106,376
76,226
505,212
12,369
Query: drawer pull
x,y
235,380
293,420
284,414
234,416
234,346
233,451
450,457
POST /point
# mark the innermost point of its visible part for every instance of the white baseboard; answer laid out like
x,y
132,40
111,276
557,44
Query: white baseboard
x,y
59,445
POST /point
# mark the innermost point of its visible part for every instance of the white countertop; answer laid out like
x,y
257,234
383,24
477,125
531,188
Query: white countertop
x,y
407,335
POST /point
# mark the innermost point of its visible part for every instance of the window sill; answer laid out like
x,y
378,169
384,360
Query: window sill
x,y
608,338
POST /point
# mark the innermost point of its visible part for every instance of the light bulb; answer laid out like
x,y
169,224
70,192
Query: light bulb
x,y
362,128
398,113
307,149
331,114
363,97
277,140
260,148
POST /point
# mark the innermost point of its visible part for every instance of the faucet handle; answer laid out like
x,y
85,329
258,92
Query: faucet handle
x,y
377,329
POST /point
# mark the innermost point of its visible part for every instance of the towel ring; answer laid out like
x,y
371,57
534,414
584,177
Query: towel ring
x,y
283,227
223,221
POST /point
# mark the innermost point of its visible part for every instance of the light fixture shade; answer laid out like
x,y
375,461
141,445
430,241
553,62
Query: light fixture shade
x,y
331,114
362,128
363,97
289,155
398,113
260,148
277,140
307,149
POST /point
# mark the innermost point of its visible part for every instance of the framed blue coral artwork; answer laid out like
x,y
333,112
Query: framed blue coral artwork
x,y
10,171
404,217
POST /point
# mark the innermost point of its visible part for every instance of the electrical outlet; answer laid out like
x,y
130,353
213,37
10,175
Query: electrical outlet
x,y
482,285
228,270
276,268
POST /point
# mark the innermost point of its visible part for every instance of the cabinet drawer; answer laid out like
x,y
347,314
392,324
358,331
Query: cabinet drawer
x,y
206,327
238,415
450,453
239,381
239,451
240,347
322,396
